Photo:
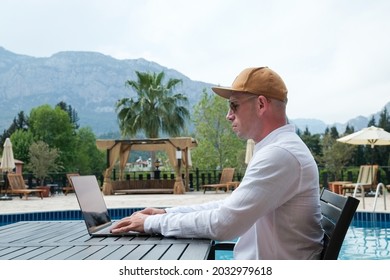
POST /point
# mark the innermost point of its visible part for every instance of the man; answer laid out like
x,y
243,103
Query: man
x,y
275,212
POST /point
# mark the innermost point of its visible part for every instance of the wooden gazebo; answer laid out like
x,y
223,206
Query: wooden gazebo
x,y
119,150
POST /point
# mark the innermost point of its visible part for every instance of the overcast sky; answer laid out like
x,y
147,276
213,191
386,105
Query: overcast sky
x,y
333,55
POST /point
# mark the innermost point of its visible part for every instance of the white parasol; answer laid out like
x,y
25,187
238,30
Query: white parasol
x,y
7,163
373,136
250,147
7,160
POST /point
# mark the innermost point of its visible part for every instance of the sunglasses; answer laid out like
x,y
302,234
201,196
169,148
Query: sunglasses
x,y
234,105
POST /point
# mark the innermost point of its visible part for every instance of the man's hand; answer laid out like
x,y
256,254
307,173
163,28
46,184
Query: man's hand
x,y
136,221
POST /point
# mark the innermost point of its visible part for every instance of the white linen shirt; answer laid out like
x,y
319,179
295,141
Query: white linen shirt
x,y
275,212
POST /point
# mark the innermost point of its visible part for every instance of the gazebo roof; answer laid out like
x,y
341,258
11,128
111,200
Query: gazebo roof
x,y
148,144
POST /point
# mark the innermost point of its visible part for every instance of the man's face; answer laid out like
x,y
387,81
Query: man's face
x,y
241,113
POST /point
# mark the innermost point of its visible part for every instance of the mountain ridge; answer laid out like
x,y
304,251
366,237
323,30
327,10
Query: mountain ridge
x,y
91,83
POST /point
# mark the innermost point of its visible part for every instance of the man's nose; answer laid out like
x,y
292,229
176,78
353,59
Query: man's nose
x,y
230,115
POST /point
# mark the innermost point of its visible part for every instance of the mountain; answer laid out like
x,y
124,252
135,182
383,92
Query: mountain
x,y
318,126
92,83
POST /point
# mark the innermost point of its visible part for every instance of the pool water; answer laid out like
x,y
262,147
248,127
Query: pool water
x,y
366,243
223,255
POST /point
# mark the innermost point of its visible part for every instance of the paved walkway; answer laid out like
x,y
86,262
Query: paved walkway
x,y
69,202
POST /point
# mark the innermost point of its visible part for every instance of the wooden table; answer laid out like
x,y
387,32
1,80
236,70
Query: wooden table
x,y
69,240
335,186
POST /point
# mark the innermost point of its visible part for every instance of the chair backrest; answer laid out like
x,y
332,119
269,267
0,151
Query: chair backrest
x,y
367,174
227,175
337,214
372,173
363,174
69,175
16,181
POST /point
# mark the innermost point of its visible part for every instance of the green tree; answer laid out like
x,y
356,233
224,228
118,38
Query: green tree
x,y
19,122
371,121
21,142
313,142
43,160
349,129
157,110
72,113
76,147
335,154
89,159
54,127
357,157
218,146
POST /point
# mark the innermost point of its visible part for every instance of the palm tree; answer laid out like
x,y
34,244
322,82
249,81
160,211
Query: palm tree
x,y
157,109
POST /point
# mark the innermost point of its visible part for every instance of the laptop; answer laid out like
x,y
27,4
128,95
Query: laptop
x,y
94,209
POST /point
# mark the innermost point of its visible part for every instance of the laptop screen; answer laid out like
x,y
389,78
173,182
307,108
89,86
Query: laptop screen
x,y
91,201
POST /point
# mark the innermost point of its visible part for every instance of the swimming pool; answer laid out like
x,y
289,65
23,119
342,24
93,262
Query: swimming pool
x,y
368,237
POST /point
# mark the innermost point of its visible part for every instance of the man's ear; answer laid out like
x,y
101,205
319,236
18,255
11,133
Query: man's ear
x,y
262,101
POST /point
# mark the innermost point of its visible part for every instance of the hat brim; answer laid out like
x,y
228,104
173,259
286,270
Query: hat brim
x,y
224,92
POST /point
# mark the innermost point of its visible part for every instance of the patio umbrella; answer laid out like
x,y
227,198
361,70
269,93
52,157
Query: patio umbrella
x,y
373,136
7,164
250,146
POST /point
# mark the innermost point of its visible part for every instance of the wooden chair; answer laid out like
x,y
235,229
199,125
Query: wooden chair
x,y
69,188
337,213
366,179
18,186
225,182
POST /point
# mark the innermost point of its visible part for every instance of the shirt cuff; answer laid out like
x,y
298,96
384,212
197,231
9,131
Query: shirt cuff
x,y
151,224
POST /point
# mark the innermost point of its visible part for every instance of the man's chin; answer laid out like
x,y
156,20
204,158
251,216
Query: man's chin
x,y
239,135
242,136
